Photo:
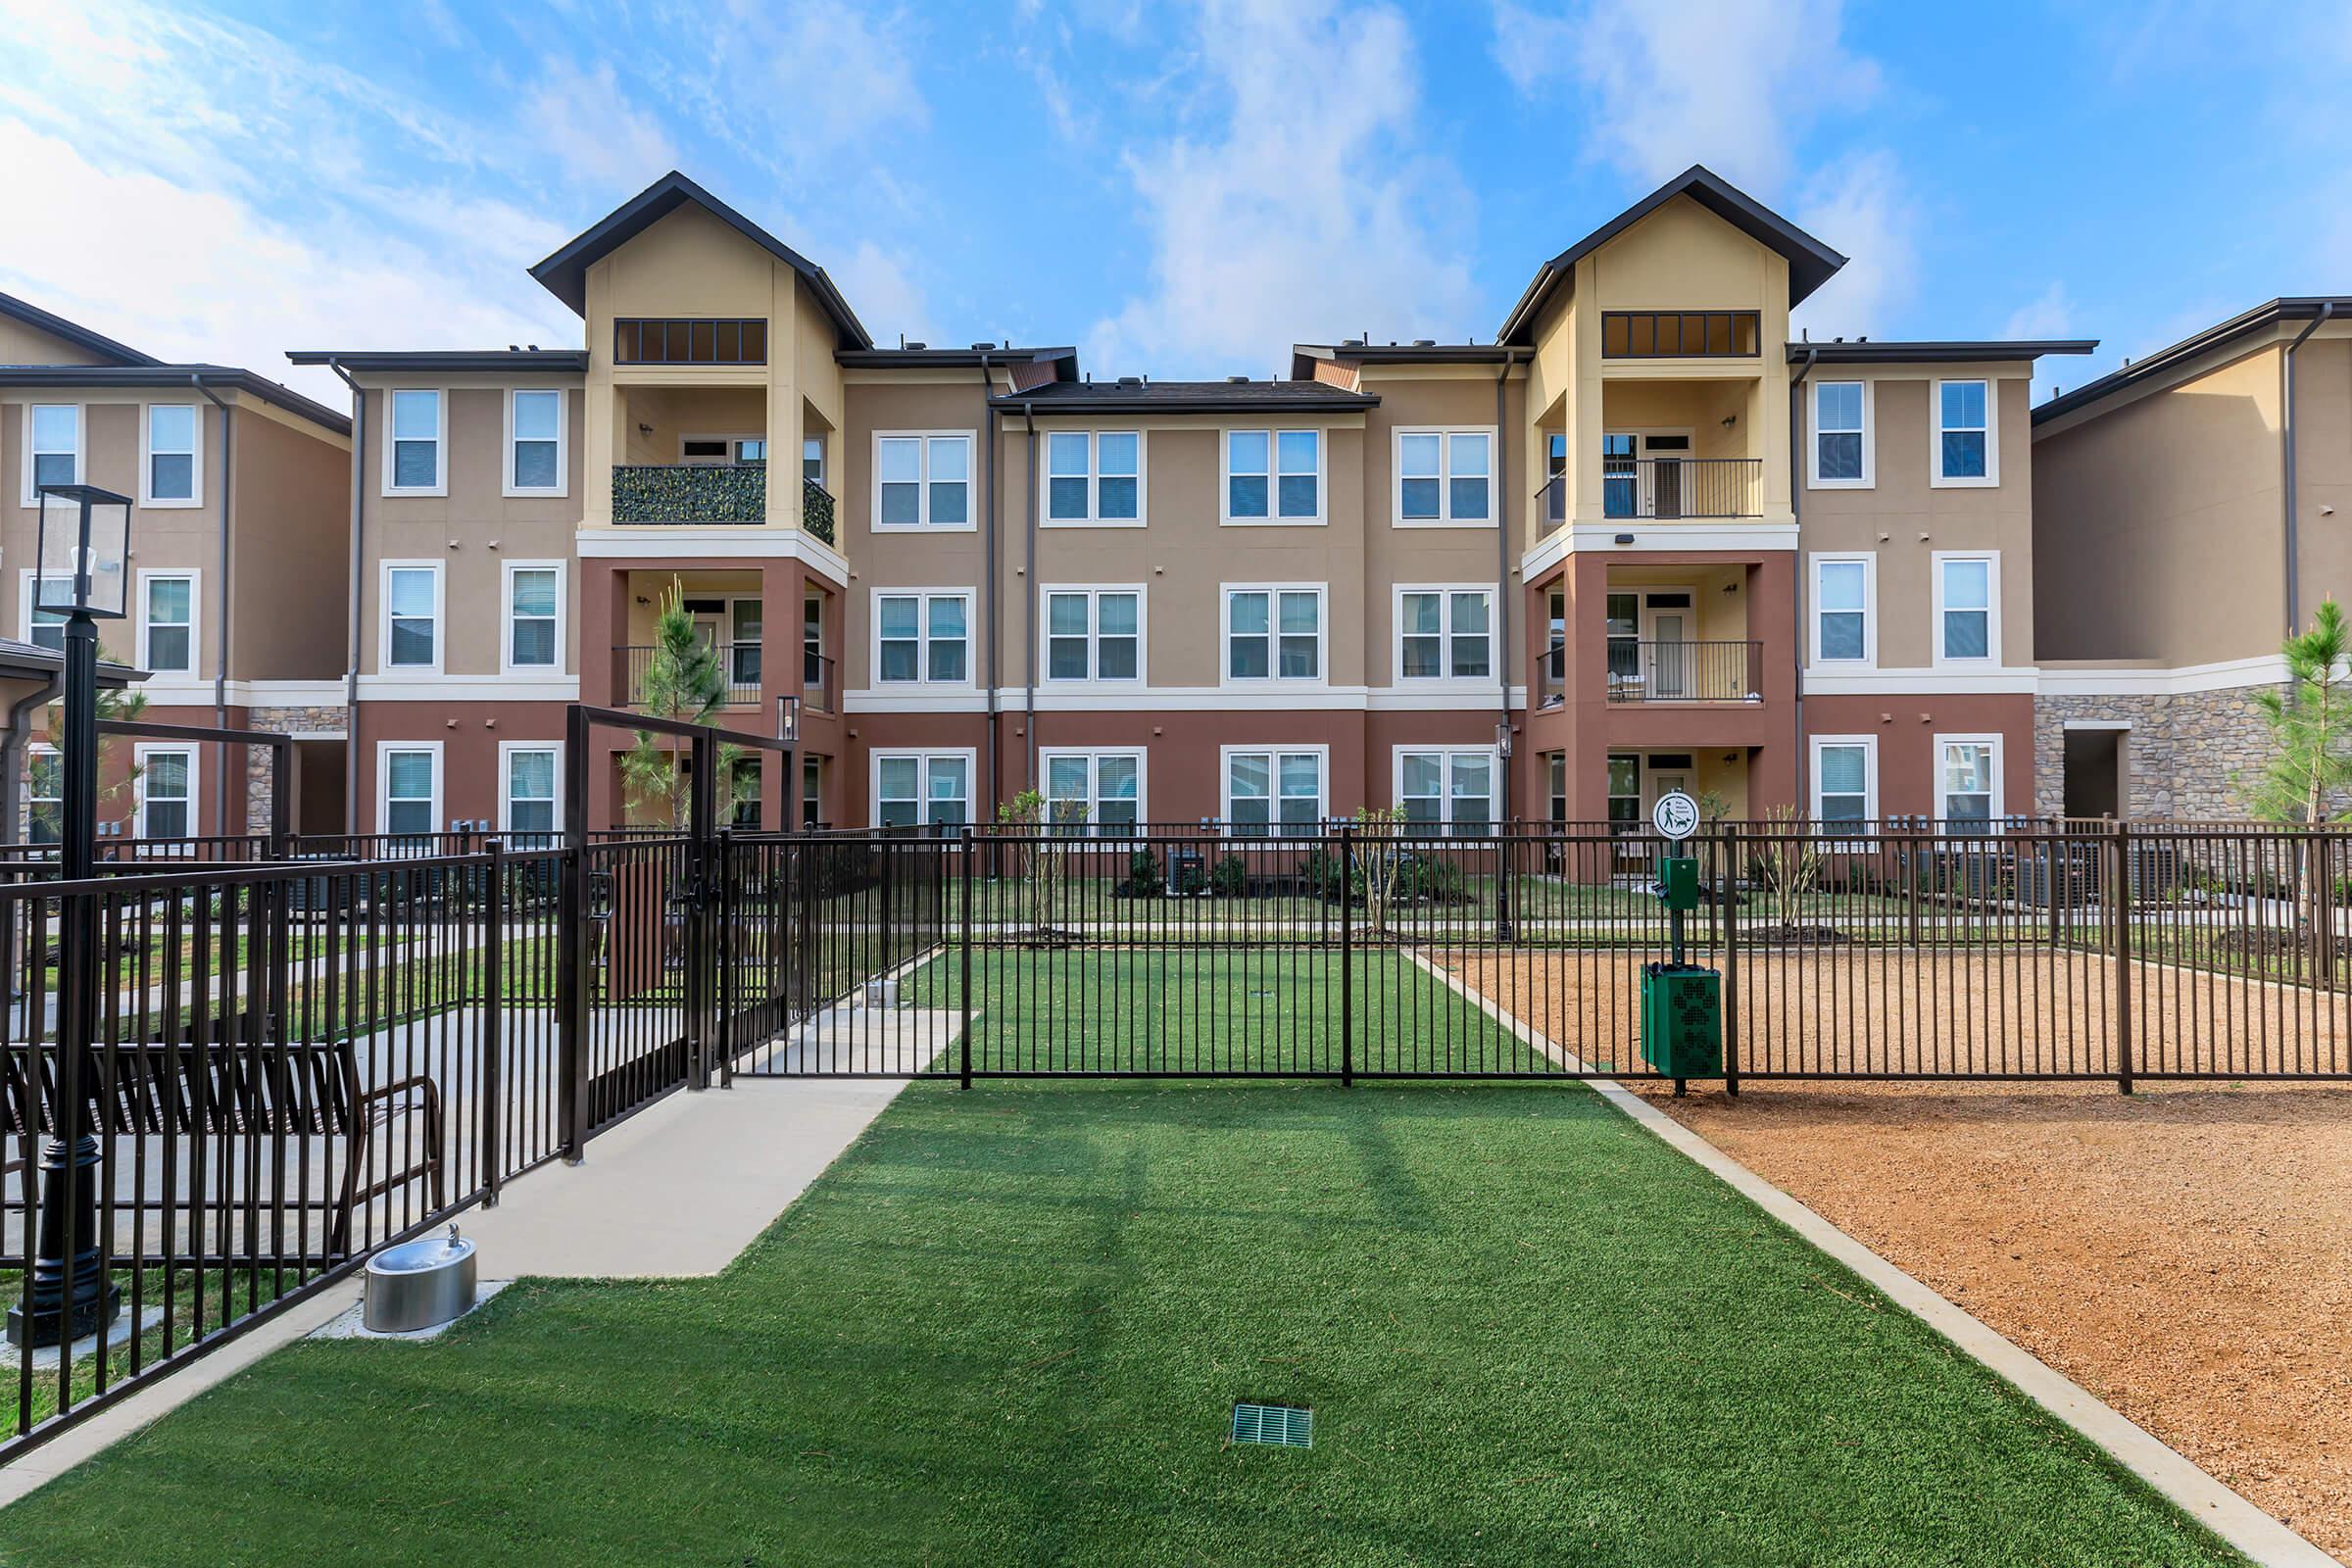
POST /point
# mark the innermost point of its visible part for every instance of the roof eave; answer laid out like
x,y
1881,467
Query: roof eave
x,y
2286,308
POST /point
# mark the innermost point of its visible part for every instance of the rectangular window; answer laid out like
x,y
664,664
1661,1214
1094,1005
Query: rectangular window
x,y
533,595
1444,478
1094,634
171,635
812,792
413,617
1688,335
1842,434
813,459
742,792
922,639
44,628
1624,793
1093,477
746,628
1448,790
166,794
1964,447
170,475
916,788
412,456
1963,608
1845,778
1968,782
1274,476
530,790
1101,789
1445,633
412,790
44,795
53,444
924,481
1556,777
1266,791
638,340
1841,595
535,444
1274,635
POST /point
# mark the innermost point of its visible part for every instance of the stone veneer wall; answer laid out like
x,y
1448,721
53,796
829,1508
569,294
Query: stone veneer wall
x,y
281,721
2188,750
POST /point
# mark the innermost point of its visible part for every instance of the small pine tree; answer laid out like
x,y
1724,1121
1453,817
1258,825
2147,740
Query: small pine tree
x,y
2311,724
685,680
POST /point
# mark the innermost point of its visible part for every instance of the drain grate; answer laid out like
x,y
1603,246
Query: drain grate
x,y
1280,1426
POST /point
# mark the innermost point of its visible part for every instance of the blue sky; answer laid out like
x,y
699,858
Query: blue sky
x,y
1180,189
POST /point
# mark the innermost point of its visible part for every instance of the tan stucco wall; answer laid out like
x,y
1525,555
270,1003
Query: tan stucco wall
x,y
290,562
23,344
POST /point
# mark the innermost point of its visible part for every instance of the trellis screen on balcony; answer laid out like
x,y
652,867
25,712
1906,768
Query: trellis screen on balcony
x,y
1680,335
641,340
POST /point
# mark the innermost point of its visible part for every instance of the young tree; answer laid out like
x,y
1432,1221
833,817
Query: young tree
x,y
2311,734
686,680
1380,854
1788,862
1045,862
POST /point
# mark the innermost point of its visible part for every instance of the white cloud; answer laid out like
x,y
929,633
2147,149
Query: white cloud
x,y
1730,83
1307,210
835,75
886,299
2050,316
1863,208
585,120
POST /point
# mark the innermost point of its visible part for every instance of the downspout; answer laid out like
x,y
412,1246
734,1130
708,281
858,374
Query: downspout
x,y
2286,423
12,756
351,672
220,598
1505,663
1029,597
1796,589
987,556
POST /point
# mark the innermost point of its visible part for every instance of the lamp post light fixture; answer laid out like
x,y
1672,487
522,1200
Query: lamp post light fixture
x,y
81,572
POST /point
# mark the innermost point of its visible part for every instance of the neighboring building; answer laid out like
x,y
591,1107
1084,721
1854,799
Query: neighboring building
x,y
1549,576
2193,511
239,547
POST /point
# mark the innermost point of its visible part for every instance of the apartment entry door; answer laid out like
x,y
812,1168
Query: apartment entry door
x,y
1642,473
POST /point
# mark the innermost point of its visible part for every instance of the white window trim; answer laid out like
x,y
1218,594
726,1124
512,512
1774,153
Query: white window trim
x,y
383,631
1870,442
1094,755
925,756
1936,479
1093,479
1273,751
1869,563
1999,762
141,752
27,576
1273,517
1444,517
505,620
1446,755
923,650
383,780
147,496
924,524
1993,608
825,457
506,779
31,803
82,446
1273,591
1870,773
562,484
195,581
440,484
1446,592
1093,636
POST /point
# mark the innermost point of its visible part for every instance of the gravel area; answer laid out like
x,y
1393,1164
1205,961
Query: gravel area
x,y
2184,1252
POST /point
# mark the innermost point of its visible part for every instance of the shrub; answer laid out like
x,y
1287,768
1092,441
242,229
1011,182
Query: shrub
x,y
1231,879
1142,876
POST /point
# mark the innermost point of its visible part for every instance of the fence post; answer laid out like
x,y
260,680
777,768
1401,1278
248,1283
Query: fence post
x,y
1346,956
1727,894
2119,895
2322,897
723,972
963,946
494,1022
571,990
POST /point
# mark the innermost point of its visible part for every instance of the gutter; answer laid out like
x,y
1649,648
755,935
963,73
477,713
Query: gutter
x,y
2287,426
351,671
220,597
1796,593
1504,663
988,557
1029,597
12,763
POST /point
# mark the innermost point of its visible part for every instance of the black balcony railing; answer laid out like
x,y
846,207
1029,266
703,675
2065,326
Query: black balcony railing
x,y
1681,487
1643,671
690,493
816,511
1551,505
738,662
1551,676
820,683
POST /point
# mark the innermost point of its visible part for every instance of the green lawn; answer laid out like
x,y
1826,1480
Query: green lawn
x,y
1008,1327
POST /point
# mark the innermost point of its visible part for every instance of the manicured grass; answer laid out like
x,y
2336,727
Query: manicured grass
x,y
1008,1327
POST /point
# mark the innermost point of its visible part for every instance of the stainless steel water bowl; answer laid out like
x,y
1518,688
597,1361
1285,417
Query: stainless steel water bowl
x,y
419,1285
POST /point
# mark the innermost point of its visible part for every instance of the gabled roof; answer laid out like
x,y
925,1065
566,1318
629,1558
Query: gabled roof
x,y
1139,396
2246,324
1893,351
566,272
1811,264
106,350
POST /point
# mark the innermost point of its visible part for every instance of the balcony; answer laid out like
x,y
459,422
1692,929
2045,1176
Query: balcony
x,y
1674,488
738,664
816,511
690,493
1643,671
820,683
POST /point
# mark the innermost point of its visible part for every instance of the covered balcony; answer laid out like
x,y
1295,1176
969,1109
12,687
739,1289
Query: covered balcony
x,y
1672,635
739,631
698,456
1669,451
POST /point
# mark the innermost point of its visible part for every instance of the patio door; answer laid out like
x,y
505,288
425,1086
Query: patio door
x,y
1669,628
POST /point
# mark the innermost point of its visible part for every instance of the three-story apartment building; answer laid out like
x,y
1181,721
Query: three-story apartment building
x,y
1640,540
237,609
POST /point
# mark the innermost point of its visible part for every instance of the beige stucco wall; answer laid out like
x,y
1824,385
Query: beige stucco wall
x,y
290,562
23,344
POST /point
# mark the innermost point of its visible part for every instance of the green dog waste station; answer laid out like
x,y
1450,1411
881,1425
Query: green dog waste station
x,y
1682,1004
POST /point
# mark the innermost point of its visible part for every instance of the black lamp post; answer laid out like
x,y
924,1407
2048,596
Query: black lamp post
x,y
83,574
